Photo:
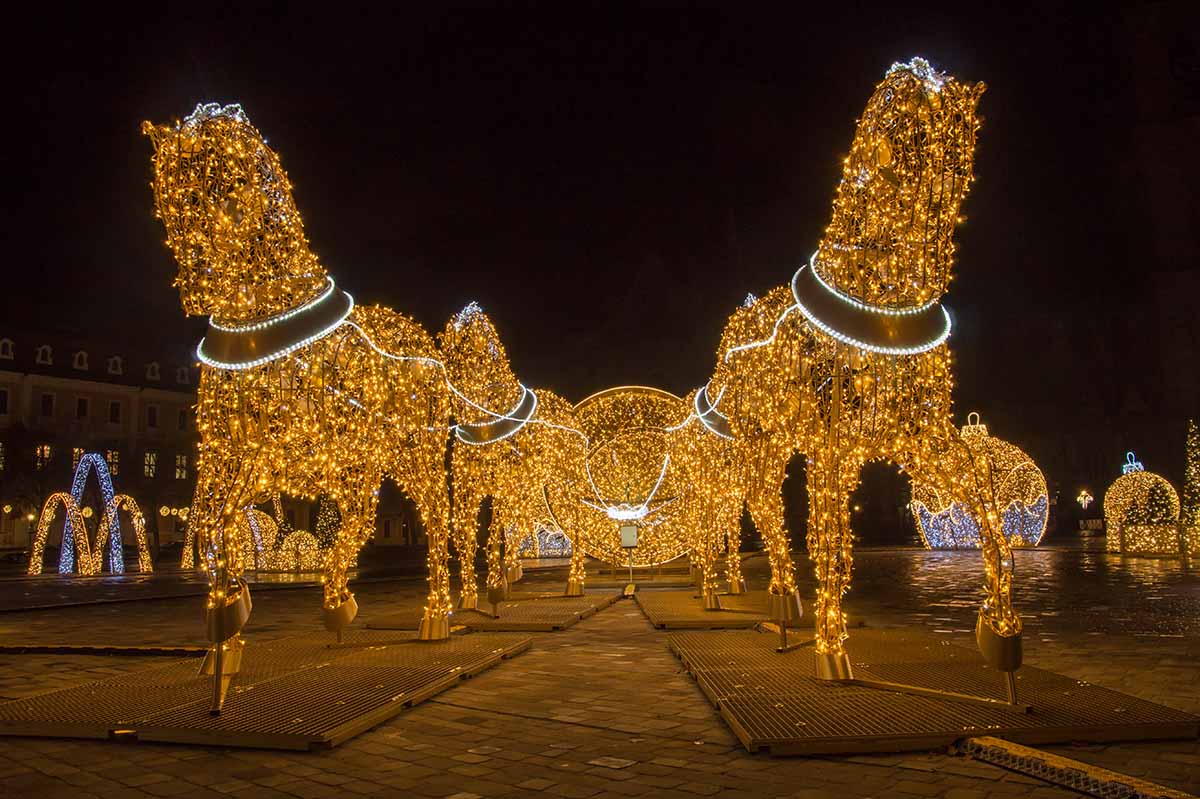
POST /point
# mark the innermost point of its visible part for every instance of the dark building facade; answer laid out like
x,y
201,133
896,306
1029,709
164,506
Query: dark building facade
x,y
63,396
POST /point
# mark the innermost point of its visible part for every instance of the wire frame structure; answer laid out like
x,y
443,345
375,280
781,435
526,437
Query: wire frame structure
x,y
848,363
301,392
1141,512
1020,491
511,444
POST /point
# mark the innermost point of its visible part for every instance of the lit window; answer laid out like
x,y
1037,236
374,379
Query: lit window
x,y
3,456
41,456
152,416
114,461
76,456
150,464
47,405
81,407
6,349
181,376
181,467
44,355
3,401
152,370
116,366
114,412
79,360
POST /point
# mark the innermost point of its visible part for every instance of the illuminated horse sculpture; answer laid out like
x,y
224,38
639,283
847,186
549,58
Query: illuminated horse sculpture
x,y
511,444
849,364
301,392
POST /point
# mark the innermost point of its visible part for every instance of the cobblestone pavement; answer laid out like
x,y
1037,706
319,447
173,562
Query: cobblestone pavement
x,y
602,709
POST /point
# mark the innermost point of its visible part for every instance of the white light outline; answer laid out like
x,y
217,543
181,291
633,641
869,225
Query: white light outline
x,y
862,345
274,320
288,350
862,306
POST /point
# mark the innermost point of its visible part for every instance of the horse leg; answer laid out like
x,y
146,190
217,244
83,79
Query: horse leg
x,y
357,507
733,549
222,491
830,483
434,505
464,522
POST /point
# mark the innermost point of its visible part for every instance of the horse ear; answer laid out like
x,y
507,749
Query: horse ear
x,y
153,132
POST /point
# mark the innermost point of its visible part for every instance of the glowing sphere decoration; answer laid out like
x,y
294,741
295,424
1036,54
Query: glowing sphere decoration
x,y
1020,494
631,475
1141,512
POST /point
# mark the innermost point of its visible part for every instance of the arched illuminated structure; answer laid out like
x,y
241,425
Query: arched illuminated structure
x,y
1020,493
76,553
1141,512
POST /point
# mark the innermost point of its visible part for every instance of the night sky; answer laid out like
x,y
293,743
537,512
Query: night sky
x,y
608,185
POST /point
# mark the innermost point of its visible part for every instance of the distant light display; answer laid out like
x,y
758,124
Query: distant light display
x,y
1141,512
76,552
1020,493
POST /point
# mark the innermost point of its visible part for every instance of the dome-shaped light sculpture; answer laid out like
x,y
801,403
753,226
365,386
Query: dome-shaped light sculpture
x,y
1020,493
1141,512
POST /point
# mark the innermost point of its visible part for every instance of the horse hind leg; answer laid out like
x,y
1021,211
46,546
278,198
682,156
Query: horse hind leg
x,y
766,509
339,607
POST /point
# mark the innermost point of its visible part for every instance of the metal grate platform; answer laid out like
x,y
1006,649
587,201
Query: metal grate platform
x,y
775,702
682,610
292,693
521,613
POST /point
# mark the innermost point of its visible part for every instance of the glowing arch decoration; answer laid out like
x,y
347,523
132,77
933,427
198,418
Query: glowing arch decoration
x,y
1020,492
1141,512
76,553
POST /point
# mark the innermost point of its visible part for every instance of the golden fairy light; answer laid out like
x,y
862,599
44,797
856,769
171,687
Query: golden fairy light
x,y
304,393
301,392
1141,513
849,363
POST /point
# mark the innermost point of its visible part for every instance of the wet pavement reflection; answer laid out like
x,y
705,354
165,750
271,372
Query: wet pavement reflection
x,y
1056,591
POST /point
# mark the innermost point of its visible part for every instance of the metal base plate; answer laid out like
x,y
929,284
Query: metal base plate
x,y
684,610
518,613
775,702
292,693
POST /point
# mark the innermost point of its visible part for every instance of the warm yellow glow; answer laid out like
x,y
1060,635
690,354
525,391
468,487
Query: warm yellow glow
x,y
370,395
1141,514
335,413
